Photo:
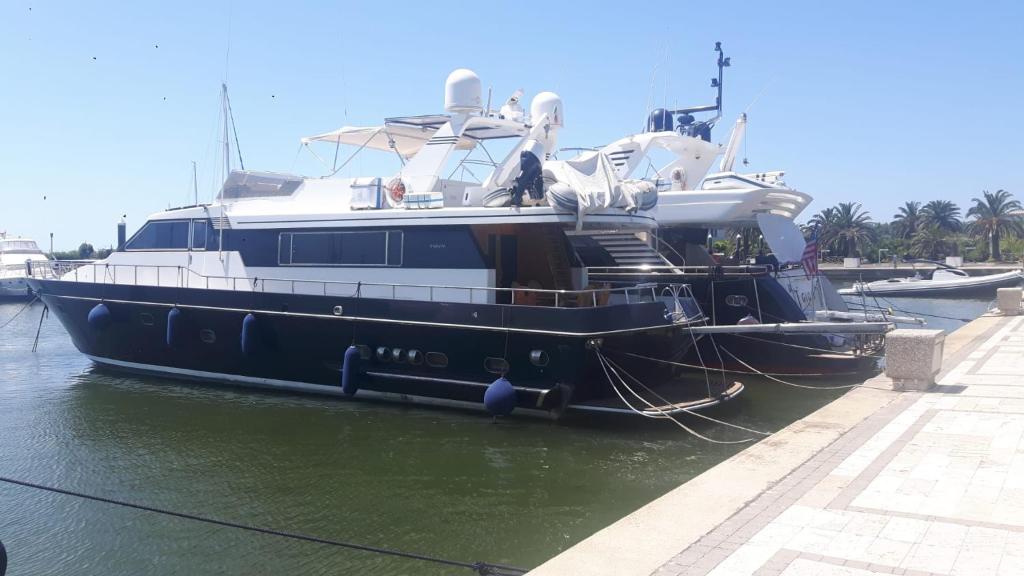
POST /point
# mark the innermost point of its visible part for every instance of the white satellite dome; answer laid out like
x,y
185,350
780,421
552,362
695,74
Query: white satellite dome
x,y
547,103
462,92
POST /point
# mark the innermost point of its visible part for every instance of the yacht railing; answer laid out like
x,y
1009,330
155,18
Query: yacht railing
x,y
670,270
184,277
21,269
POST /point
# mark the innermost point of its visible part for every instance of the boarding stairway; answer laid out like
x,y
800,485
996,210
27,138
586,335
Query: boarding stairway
x,y
629,250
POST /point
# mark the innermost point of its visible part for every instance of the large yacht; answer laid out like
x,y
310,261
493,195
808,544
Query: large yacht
x,y
415,286
16,256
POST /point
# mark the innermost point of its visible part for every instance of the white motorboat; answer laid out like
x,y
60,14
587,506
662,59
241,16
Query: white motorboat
x,y
943,281
15,253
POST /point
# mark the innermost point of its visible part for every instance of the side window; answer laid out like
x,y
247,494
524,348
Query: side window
x,y
363,248
395,240
161,235
199,233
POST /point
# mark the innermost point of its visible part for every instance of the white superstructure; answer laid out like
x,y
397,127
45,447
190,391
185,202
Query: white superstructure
x,y
419,228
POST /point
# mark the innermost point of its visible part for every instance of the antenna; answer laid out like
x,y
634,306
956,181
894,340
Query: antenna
x,y
227,141
195,183
723,62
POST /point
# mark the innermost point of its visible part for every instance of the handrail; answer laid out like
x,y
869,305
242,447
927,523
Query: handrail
x,y
676,270
107,273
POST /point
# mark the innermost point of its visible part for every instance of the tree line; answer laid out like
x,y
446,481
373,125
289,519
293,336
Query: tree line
x,y
933,230
85,252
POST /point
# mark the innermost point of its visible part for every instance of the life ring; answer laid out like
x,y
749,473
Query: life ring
x,y
396,192
679,176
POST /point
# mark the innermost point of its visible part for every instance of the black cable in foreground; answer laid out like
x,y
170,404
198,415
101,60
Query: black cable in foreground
x,y
482,568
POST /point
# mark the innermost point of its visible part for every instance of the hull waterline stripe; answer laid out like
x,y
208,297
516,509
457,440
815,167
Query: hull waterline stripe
x,y
379,320
275,384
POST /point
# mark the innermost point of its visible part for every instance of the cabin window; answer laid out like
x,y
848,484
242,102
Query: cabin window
x,y
161,235
199,233
357,248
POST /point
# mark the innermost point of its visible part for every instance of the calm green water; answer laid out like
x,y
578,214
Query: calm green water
x,y
441,482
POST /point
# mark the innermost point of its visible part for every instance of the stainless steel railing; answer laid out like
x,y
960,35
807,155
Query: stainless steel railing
x,y
184,277
670,270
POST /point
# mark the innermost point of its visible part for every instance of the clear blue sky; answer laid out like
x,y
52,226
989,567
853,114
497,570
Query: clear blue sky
x,y
877,102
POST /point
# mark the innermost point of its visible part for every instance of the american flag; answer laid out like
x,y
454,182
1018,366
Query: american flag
x,y
810,257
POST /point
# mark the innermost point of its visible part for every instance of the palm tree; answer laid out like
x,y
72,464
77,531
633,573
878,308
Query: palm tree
x,y
942,214
995,215
945,217
824,223
929,242
908,219
850,228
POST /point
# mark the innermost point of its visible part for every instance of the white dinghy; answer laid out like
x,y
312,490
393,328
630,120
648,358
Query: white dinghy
x,y
943,281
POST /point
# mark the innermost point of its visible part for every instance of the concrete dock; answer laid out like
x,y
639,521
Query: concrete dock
x,y
877,482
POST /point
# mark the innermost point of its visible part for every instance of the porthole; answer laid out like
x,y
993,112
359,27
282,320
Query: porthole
x,y
496,365
207,336
397,355
539,358
146,318
437,360
383,354
414,357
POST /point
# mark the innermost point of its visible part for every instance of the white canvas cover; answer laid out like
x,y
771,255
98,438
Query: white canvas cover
x,y
592,178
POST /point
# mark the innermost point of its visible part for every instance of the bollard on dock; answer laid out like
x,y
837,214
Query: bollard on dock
x,y
1008,300
913,358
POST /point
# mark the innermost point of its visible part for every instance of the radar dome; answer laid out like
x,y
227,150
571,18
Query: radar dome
x,y
462,91
547,103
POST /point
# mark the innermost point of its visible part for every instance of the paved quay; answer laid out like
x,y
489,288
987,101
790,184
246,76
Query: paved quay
x,y
877,482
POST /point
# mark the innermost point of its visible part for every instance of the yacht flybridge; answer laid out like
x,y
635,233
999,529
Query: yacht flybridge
x,y
413,286
16,256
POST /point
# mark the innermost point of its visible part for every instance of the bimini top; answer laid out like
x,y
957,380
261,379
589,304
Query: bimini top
x,y
406,135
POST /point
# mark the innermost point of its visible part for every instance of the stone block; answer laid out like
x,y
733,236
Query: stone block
x,y
1008,300
913,358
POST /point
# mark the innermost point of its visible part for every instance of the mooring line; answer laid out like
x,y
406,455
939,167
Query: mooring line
x,y
781,381
662,414
482,568
614,366
728,370
827,351
18,313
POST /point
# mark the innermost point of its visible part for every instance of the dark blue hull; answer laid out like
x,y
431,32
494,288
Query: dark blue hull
x,y
447,352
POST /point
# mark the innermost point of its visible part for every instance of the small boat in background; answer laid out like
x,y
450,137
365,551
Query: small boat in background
x,y
944,281
14,255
